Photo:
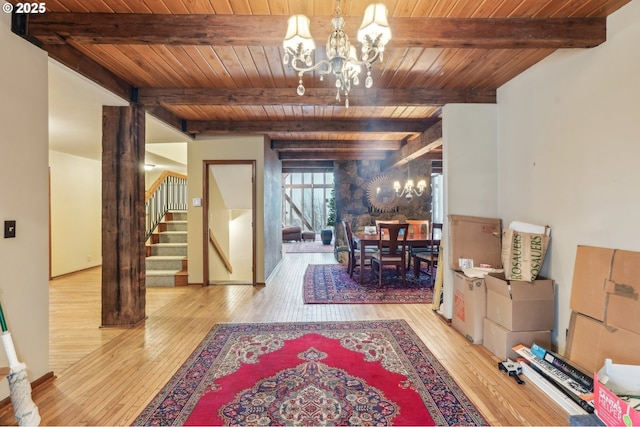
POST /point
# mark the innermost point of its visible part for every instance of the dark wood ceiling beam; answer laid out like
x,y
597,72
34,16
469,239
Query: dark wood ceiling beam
x,y
298,165
288,96
335,155
292,126
339,145
83,65
428,141
230,30
90,69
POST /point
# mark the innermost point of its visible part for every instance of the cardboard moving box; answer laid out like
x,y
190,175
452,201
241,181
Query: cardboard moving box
x,y
500,341
590,342
521,306
606,286
469,306
474,238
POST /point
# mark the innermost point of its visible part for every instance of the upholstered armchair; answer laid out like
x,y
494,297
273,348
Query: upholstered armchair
x,y
291,232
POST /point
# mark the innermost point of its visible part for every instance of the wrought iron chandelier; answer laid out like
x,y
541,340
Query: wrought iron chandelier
x,y
342,60
409,190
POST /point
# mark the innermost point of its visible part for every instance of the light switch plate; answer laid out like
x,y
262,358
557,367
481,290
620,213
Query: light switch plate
x,y
9,229
197,202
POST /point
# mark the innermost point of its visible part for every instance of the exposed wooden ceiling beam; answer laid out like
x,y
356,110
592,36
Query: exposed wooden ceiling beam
x,y
335,155
293,126
339,145
229,30
428,141
288,96
289,166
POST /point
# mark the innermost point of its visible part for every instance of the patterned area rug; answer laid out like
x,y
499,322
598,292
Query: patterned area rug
x,y
309,247
312,374
331,284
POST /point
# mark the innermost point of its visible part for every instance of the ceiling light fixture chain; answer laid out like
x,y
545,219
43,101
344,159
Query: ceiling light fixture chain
x,y
342,60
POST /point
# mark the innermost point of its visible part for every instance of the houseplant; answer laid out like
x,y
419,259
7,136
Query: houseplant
x,y
327,234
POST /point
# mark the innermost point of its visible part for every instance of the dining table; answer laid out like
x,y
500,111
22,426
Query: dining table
x,y
362,240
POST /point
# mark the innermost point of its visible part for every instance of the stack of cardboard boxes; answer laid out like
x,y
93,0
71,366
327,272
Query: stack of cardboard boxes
x,y
517,313
493,311
604,330
472,240
605,308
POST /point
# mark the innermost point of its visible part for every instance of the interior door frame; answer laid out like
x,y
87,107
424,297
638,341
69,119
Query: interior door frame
x,y
205,214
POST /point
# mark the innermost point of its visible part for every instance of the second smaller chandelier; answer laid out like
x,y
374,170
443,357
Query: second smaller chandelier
x,y
342,60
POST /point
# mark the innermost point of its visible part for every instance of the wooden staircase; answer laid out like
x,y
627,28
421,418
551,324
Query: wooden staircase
x,y
166,261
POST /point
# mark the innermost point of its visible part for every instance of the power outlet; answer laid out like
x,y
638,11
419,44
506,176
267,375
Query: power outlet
x,y
9,229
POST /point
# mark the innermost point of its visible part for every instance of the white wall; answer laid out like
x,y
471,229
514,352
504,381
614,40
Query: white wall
x,y
469,135
76,213
24,197
569,146
250,147
239,246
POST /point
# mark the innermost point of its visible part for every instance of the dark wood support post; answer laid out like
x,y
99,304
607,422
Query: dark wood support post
x,y
123,252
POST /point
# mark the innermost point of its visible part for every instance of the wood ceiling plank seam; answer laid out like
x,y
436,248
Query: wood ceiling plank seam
x,y
182,64
176,7
76,6
56,6
210,55
261,7
152,54
573,9
249,67
442,9
487,69
487,8
424,60
156,6
468,73
519,65
114,6
114,59
229,59
466,8
506,8
241,7
530,9
210,77
276,66
383,71
198,6
222,7
423,8
404,9
437,75
432,70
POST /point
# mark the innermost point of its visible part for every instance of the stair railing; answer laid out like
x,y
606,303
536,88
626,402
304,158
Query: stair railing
x,y
168,192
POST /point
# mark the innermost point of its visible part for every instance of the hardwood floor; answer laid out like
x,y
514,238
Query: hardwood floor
x,y
107,376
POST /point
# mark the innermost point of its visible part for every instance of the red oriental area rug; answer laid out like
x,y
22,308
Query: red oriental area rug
x,y
331,284
322,373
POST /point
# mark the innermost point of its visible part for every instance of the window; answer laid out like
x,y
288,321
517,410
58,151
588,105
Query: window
x,y
305,198
437,208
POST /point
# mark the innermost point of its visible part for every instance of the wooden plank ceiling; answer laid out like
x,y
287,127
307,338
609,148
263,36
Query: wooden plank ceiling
x,y
215,66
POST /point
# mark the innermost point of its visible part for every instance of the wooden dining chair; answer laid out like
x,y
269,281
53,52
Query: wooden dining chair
x,y
417,226
385,221
430,258
354,253
391,251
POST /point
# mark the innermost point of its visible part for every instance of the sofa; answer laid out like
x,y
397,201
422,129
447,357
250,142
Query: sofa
x,y
291,232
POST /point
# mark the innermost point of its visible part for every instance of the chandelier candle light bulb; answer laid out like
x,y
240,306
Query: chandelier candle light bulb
x,y
409,190
342,60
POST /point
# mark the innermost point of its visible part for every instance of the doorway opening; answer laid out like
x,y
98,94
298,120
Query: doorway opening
x,y
229,210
